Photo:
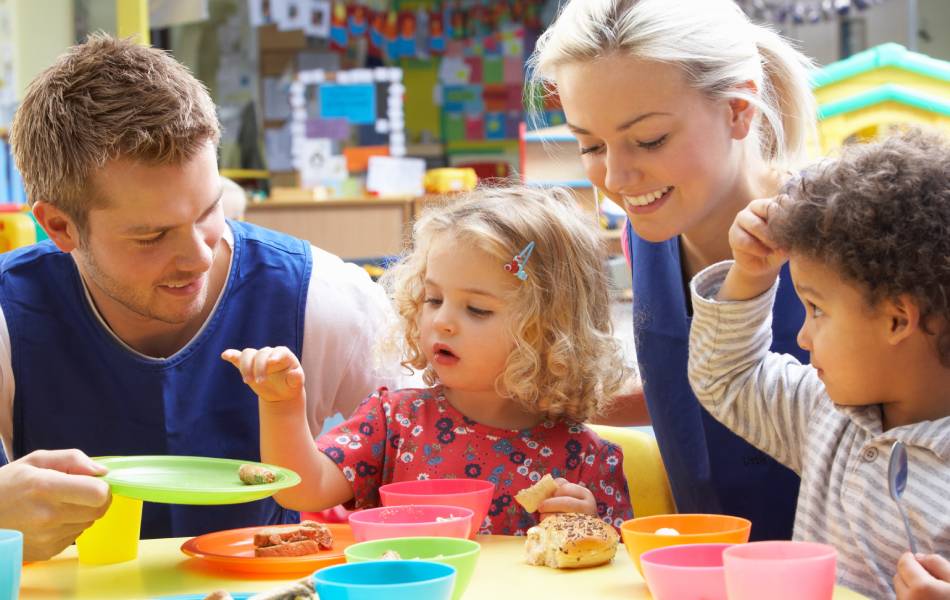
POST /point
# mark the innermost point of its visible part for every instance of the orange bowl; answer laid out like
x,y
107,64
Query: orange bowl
x,y
640,534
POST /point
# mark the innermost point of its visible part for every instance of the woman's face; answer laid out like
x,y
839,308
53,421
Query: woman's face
x,y
661,150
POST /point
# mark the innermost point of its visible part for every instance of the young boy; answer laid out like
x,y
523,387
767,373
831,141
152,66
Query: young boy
x,y
867,237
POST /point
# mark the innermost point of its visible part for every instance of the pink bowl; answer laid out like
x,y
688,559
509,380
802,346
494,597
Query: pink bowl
x,y
411,520
780,571
475,494
689,571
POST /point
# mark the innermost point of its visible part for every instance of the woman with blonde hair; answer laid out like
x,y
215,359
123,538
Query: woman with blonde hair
x,y
685,112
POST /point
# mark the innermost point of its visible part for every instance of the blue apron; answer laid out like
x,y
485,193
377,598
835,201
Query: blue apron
x,y
711,469
78,387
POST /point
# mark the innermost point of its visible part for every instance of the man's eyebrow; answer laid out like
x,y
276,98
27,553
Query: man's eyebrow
x,y
153,228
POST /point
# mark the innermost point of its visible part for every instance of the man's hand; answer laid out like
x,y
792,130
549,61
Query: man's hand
x,y
51,496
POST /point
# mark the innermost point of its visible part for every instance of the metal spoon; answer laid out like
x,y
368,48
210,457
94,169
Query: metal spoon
x,y
896,482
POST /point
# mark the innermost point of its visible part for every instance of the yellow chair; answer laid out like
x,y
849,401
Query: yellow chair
x,y
643,468
16,230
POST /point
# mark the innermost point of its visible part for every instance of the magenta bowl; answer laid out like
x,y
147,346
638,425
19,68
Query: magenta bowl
x,y
475,494
411,520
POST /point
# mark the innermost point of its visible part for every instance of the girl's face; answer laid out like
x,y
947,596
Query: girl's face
x,y
658,148
464,324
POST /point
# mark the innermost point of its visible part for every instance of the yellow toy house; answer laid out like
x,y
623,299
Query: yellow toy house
x,y
883,87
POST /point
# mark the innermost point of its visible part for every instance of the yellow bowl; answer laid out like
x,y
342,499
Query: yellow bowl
x,y
640,534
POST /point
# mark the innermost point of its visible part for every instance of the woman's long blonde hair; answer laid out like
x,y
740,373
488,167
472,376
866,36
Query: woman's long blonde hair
x,y
715,44
566,364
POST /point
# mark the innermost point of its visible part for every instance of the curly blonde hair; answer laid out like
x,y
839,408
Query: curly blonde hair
x,y
102,100
566,363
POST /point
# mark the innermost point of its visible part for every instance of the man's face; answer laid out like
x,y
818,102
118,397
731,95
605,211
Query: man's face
x,y
147,254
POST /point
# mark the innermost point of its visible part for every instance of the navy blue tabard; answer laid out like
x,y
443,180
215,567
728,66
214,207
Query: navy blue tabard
x,y
711,469
78,387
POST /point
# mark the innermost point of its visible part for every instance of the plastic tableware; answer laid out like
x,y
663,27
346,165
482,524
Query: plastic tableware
x,y
389,579
682,572
188,479
640,534
233,550
457,552
780,571
11,562
113,537
896,483
475,494
234,595
411,520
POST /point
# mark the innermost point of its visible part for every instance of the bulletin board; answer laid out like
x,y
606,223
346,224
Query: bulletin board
x,y
339,119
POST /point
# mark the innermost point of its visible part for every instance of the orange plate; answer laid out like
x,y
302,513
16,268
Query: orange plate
x,y
233,550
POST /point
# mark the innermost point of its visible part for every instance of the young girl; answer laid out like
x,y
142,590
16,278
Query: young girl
x,y
684,112
504,304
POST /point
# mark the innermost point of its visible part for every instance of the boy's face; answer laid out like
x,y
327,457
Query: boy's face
x,y
848,341
149,251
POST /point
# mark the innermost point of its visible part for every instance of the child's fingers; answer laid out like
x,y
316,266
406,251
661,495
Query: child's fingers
x,y
562,504
565,489
910,571
232,356
936,565
755,226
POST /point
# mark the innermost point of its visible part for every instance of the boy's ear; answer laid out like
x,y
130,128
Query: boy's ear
x,y
903,315
741,112
58,225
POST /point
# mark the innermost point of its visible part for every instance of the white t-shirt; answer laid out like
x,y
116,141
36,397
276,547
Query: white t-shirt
x,y
346,313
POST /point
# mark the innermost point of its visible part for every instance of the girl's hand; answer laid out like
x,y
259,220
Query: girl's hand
x,y
924,577
569,498
274,374
756,254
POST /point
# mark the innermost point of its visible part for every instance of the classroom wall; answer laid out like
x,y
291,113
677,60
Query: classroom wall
x,y
887,22
42,29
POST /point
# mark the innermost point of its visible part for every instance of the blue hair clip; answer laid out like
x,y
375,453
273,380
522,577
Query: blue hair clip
x,y
517,263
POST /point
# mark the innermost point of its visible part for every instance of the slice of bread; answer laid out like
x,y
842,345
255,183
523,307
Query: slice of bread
x,y
532,497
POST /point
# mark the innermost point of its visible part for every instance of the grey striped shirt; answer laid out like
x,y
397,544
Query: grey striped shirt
x,y
841,453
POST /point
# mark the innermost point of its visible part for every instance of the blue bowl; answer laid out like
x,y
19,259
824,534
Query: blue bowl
x,y
389,579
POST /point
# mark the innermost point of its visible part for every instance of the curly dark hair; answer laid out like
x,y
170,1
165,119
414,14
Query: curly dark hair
x,y
879,215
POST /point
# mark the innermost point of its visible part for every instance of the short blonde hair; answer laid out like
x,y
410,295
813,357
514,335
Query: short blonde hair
x,y
714,43
566,364
102,100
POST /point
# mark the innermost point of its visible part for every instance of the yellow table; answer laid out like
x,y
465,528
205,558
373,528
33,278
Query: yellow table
x,y
161,569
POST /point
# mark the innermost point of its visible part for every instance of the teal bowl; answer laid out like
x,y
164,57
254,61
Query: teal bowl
x,y
460,553
389,579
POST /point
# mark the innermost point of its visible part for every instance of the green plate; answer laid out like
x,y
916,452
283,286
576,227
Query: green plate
x,y
188,479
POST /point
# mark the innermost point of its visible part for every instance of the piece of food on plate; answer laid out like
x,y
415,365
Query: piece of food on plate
x,y
532,497
297,590
390,555
309,537
256,474
570,541
667,531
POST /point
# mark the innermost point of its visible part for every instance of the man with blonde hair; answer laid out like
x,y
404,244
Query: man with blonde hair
x,y
110,333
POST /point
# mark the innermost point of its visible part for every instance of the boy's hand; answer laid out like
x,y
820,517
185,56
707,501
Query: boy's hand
x,y
756,254
924,577
569,498
274,374
758,259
